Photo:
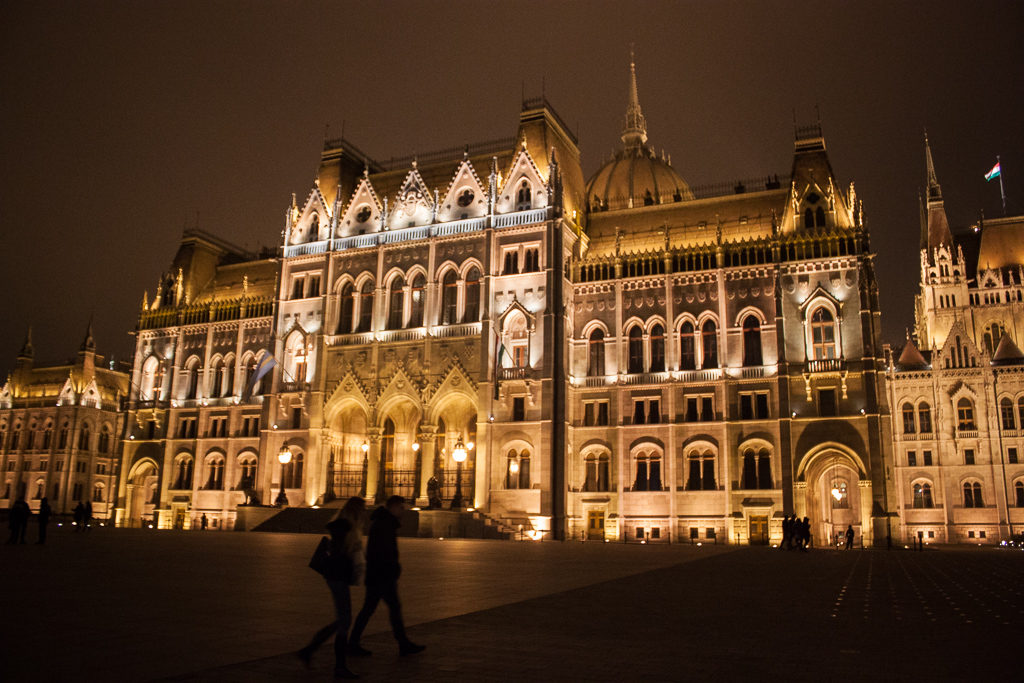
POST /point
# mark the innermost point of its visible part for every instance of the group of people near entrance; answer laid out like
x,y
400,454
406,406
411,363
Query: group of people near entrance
x,y
343,562
796,533
20,513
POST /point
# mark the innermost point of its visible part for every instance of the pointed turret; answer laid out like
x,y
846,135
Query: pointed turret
x,y
911,357
88,343
634,134
1007,353
27,351
938,224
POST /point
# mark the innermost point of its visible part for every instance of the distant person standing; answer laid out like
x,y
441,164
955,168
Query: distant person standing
x,y
382,572
79,516
805,533
203,522
87,516
346,566
787,530
44,518
18,520
849,536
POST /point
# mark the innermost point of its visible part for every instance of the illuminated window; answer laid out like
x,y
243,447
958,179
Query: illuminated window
x,y
909,426
752,341
416,293
523,197
595,364
965,415
635,363
687,347
924,418
1006,416
596,472
657,348
449,298
472,308
972,495
923,495
396,303
709,344
823,334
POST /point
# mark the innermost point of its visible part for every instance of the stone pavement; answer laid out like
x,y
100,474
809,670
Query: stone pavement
x,y
491,610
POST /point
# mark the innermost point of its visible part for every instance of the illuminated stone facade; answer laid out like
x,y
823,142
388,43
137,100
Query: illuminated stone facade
x,y
629,357
60,431
957,388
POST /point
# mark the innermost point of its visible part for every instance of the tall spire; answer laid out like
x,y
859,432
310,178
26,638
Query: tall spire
x,y
89,343
634,134
934,189
26,348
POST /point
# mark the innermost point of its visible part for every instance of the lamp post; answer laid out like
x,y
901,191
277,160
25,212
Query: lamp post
x,y
284,457
366,468
459,456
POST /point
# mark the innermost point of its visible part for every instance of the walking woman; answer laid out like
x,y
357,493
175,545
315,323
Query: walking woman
x,y
346,567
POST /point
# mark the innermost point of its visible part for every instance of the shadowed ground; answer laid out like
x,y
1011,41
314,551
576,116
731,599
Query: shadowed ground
x,y
231,607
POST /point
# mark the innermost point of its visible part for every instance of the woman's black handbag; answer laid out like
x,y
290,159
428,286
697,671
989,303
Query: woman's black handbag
x,y
321,557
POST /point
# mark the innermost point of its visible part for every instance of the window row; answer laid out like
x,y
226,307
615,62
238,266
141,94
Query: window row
x,y
222,378
43,439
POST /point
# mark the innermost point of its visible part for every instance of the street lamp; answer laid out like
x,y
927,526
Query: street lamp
x,y
284,457
459,456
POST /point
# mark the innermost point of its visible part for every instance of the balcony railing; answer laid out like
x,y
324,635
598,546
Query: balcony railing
x,y
513,373
966,433
706,375
646,378
826,365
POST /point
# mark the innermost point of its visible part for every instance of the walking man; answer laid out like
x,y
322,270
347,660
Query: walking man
x,y
849,536
44,519
79,515
382,572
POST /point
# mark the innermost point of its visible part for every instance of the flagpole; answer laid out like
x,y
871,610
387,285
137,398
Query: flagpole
x,y
1002,190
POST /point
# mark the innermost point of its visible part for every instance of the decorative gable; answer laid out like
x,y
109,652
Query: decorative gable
x,y
91,396
364,211
314,221
465,196
5,395
67,394
524,188
959,351
414,204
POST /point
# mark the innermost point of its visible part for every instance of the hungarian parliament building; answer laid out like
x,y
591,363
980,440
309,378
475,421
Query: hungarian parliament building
x,y
625,357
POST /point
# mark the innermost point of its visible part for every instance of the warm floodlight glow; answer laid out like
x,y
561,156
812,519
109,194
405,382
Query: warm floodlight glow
x,y
365,447
285,456
513,466
415,446
459,452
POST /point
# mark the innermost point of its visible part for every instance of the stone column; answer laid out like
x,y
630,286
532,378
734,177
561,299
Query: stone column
x,y
373,462
426,438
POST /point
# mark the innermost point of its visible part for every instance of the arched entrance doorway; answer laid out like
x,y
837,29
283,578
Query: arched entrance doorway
x,y
833,496
143,493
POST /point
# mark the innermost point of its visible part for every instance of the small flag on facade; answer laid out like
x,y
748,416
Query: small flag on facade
x,y
265,365
996,172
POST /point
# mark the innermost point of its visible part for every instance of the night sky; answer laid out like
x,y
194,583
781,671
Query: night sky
x,y
123,123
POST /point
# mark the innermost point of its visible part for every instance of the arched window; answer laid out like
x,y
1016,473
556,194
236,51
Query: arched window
x,y
687,347
218,378
84,438
97,492
396,303
1020,411
596,472
1006,417
192,378
819,217
314,227
757,470
972,495
764,470
449,298
965,415
701,469
215,473
104,443
247,469
808,218
366,306
923,495
148,388
636,350
291,473
183,473
752,341
909,426
709,344
47,437
512,470
1018,490
595,356
823,334
416,305
62,437
524,469
657,348
296,360
472,309
251,368
648,472
346,310
523,198
924,418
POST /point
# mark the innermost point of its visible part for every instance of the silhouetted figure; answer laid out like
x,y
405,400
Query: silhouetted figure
x,y
805,533
79,516
44,519
382,572
787,533
87,517
203,522
18,518
346,566
433,494
849,536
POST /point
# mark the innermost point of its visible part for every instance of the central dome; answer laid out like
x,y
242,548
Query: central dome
x,y
635,176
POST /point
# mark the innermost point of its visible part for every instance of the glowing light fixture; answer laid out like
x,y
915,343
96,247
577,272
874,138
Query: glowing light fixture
x,y
415,446
459,452
365,447
513,466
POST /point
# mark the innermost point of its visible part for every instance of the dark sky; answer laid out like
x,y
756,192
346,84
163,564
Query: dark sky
x,y
121,122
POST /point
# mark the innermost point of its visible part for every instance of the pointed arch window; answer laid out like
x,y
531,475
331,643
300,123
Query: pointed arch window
x,y
247,470
192,378
595,356
396,303
823,334
965,415
417,294
1018,491
215,473
1020,411
218,378
752,341
84,438
924,418
449,298
366,306
687,347
636,350
104,441
908,418
701,468
346,306
808,218
291,473
709,344
183,475
972,495
657,348
923,496
472,312
648,472
523,197
819,217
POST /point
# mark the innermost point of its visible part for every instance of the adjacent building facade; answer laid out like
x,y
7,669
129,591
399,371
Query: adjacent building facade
x,y
625,357
60,431
957,385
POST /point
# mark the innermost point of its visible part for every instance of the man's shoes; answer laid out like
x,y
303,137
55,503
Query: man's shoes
x,y
358,651
410,648
306,657
343,672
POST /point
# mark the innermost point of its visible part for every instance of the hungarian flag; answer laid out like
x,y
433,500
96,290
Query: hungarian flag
x,y
265,365
995,172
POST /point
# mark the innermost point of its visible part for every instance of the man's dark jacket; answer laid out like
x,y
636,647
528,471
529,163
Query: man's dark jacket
x,y
382,548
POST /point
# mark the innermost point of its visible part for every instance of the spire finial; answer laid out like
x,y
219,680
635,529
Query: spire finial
x,y
89,344
634,134
934,189
26,349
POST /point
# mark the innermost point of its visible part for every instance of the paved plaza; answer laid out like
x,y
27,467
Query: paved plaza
x,y
134,605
